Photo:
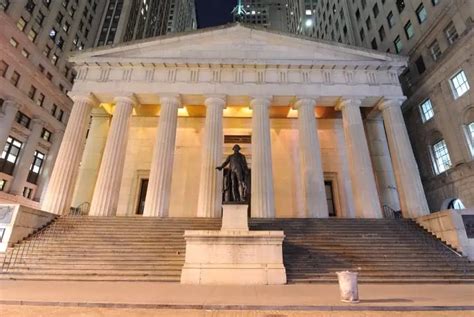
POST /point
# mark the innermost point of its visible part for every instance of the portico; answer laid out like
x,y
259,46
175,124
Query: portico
x,y
178,104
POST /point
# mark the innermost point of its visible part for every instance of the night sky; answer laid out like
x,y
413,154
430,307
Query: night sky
x,y
214,12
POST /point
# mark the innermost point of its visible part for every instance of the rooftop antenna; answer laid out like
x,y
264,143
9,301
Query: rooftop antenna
x,y
239,11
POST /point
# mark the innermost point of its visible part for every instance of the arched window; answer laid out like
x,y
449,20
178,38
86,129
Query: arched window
x,y
452,203
456,204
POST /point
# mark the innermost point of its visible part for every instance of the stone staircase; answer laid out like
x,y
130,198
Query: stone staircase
x,y
381,250
152,249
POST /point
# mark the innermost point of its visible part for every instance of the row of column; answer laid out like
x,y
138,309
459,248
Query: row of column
x,y
105,197
26,155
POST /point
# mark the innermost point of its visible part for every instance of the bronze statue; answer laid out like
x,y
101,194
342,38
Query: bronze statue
x,y
235,181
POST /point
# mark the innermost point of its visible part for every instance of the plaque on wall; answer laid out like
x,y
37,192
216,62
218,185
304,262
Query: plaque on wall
x,y
469,225
242,139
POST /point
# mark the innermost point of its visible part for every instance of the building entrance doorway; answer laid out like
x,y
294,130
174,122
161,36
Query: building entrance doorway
x,y
142,196
330,198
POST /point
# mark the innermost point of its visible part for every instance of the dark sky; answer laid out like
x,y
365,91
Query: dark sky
x,y
214,12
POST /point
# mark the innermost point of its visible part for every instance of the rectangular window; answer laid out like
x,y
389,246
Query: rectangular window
x,y
32,92
421,13
60,115
27,192
459,84
441,157
15,78
400,5
25,53
23,119
368,23
3,68
54,58
451,33
32,35
47,51
40,100
375,10
46,135
434,2
3,184
426,110
40,18
409,30
10,155
35,168
381,33
21,24
420,65
390,19
398,44
13,42
435,50
54,109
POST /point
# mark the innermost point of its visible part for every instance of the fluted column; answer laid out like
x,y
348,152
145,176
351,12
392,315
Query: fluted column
x,y
410,189
311,165
107,187
26,158
91,159
382,163
210,186
262,199
7,117
159,185
61,185
48,165
366,198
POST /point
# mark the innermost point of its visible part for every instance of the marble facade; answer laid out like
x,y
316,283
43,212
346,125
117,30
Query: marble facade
x,y
160,109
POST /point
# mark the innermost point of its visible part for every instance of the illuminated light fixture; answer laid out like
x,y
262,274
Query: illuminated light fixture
x,y
292,113
253,12
183,112
308,12
308,23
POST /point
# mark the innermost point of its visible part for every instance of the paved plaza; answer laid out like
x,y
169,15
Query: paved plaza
x,y
49,298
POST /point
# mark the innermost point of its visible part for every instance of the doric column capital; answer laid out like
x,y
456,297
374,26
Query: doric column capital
x,y
130,99
88,98
99,112
260,101
305,102
348,102
390,102
215,100
170,100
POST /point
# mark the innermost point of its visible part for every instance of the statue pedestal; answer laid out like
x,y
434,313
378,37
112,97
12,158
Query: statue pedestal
x,y
234,255
234,217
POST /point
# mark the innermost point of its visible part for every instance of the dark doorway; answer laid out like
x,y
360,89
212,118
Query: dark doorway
x,y
142,196
330,198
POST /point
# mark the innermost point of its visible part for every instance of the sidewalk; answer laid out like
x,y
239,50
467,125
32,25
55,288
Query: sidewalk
x,y
318,297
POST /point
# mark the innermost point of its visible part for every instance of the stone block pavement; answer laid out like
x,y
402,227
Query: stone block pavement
x,y
51,298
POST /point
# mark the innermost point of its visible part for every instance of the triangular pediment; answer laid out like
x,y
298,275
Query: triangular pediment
x,y
237,44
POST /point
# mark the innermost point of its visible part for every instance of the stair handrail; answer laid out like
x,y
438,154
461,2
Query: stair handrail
x,y
42,237
391,213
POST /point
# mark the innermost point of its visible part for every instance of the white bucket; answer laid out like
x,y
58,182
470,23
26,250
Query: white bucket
x,y
348,286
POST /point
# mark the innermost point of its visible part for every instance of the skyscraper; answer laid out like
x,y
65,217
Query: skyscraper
x,y
437,35
126,20
34,80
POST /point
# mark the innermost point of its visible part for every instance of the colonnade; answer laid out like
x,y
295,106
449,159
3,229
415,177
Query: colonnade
x,y
366,197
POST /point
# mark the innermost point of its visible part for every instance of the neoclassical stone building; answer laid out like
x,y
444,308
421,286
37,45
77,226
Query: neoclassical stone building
x,y
320,124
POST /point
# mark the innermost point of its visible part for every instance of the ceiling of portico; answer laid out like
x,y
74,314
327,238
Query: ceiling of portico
x,y
238,45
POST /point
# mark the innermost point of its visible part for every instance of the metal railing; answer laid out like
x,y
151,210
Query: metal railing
x,y
39,240
389,212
